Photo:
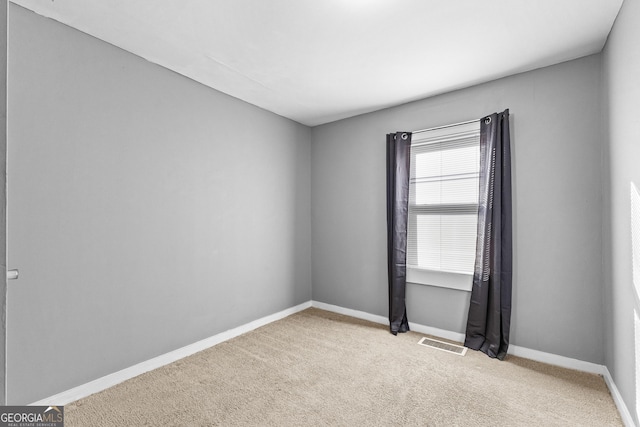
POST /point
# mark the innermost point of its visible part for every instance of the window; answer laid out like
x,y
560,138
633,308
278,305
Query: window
x,y
443,206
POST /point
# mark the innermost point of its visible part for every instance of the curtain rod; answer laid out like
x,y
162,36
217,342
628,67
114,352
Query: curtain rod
x,y
446,126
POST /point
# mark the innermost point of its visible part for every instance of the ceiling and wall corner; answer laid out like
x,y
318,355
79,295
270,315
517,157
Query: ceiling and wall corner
x,y
316,62
344,63
189,210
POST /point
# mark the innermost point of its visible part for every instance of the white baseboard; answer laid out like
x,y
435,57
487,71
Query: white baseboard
x,y
437,332
110,380
554,359
627,419
429,330
539,356
157,362
350,312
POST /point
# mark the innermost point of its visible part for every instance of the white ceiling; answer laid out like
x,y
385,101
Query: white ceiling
x,y
317,61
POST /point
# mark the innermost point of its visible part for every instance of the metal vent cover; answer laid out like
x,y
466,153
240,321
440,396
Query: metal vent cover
x,y
443,346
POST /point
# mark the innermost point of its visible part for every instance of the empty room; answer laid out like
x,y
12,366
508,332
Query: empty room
x,y
344,212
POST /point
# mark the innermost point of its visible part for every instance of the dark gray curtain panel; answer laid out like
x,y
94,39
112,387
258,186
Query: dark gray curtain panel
x,y
398,158
489,317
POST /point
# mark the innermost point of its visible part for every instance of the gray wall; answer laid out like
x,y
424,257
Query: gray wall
x,y
557,302
621,72
146,211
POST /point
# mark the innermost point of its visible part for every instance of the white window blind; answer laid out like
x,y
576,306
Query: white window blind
x,y
443,199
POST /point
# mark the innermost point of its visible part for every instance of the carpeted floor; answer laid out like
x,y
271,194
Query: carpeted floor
x,y
320,368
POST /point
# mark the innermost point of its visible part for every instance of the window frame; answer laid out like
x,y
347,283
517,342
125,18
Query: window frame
x,y
431,277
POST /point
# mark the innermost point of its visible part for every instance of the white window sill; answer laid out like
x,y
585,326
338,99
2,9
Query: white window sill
x,y
442,279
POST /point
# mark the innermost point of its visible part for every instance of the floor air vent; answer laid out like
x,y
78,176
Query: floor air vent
x,y
444,346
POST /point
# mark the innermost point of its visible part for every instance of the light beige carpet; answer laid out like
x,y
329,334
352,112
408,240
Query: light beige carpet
x,y
319,368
